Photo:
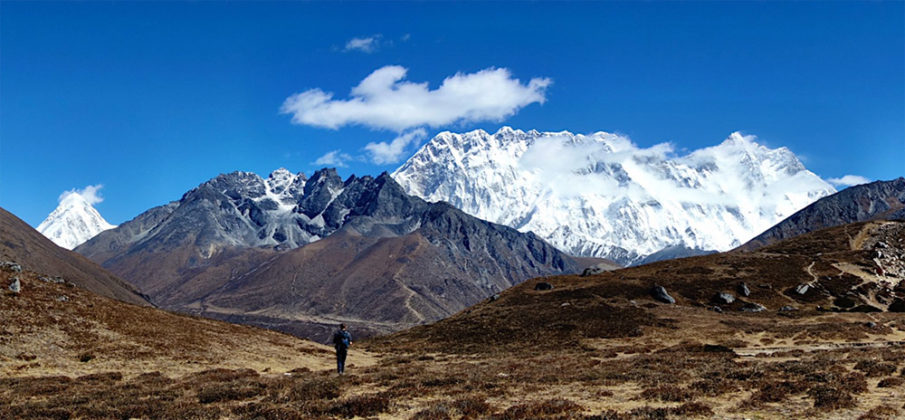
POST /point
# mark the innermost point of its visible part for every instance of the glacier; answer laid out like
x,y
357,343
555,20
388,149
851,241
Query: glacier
x,y
601,195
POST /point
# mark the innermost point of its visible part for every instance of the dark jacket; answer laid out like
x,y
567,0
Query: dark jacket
x,y
342,339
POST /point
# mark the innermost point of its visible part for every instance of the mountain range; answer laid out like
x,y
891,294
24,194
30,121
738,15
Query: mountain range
x,y
301,254
600,195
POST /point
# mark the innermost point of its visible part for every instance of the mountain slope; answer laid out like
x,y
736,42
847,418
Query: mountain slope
x,y
802,277
380,259
600,195
876,200
73,222
32,250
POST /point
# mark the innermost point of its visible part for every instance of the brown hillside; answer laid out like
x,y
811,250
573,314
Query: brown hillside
x,y
24,245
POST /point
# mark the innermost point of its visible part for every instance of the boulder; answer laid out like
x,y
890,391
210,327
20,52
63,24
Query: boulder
x,y
802,289
743,290
659,293
865,309
11,266
543,286
752,307
897,305
15,286
844,302
724,298
494,297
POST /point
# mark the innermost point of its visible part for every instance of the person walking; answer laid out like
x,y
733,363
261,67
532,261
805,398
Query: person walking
x,y
341,340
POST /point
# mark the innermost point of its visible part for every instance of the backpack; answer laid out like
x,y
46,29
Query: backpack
x,y
340,340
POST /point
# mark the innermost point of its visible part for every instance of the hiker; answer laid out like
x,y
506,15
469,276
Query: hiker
x,y
341,340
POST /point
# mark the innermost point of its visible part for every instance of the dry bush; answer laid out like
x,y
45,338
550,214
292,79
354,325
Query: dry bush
x,y
437,412
772,392
891,382
880,412
360,405
472,407
831,397
669,393
540,409
873,368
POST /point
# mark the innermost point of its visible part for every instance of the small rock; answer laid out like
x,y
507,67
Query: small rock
x,y
752,307
723,297
659,293
802,288
882,244
870,324
897,305
494,297
865,309
55,280
15,286
788,309
744,290
11,266
716,309
63,298
543,286
566,304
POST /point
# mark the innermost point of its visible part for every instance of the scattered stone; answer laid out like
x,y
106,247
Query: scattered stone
x,y
566,304
788,309
845,302
11,266
716,309
543,286
870,324
55,280
723,297
802,288
765,286
882,244
63,298
865,309
752,307
494,297
659,293
15,286
744,290
897,305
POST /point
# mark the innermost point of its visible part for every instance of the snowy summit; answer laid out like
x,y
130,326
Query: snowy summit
x,y
75,220
601,195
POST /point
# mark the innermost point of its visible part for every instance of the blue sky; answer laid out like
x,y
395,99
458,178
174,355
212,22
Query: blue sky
x,y
150,99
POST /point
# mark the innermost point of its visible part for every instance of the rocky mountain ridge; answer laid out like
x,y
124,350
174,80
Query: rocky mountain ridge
x,y
317,251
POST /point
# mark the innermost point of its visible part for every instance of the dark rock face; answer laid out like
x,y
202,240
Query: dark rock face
x,y
659,293
543,286
743,290
323,247
877,200
897,305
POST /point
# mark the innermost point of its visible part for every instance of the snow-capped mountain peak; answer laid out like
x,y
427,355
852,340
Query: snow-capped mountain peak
x,y
601,195
75,220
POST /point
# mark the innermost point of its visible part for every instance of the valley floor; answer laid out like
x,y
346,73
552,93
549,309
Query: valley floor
x,y
827,366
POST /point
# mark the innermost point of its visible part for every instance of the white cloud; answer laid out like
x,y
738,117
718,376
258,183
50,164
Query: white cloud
x,y
848,180
333,158
392,152
366,45
89,193
385,100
